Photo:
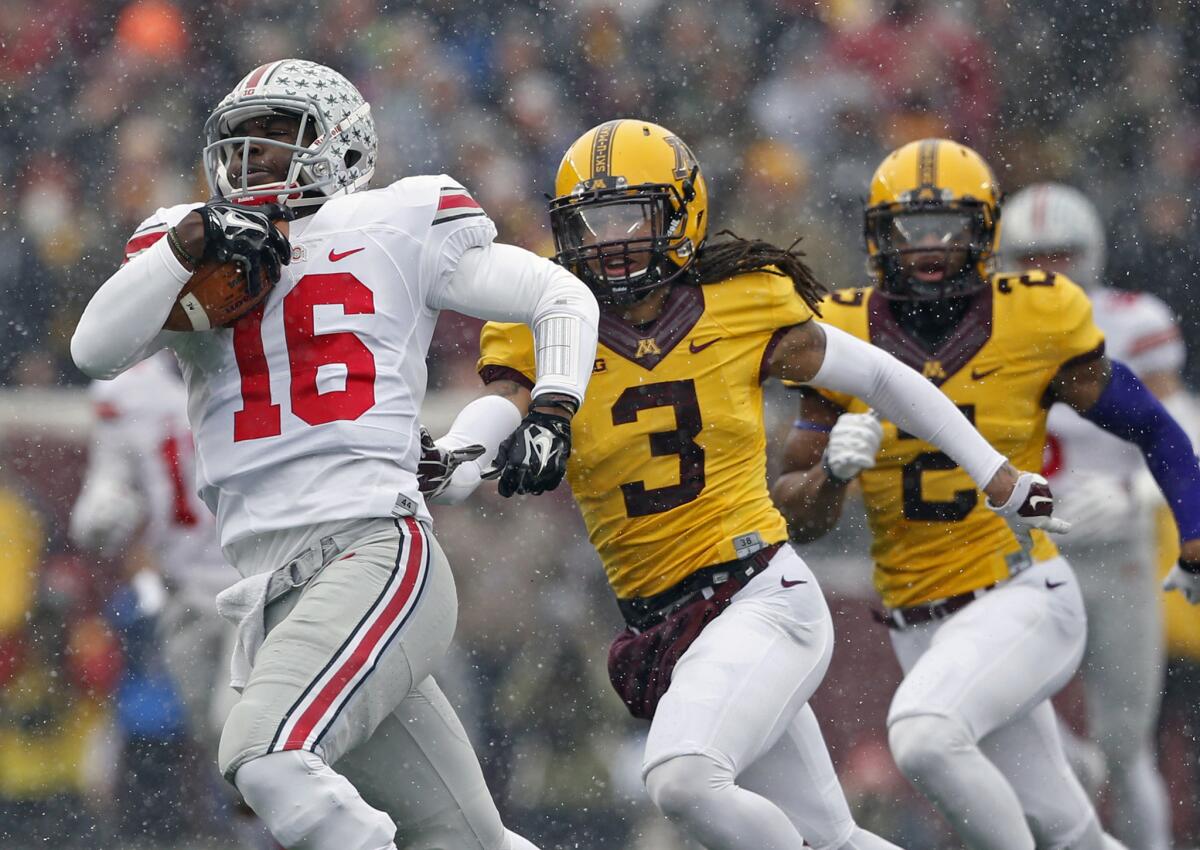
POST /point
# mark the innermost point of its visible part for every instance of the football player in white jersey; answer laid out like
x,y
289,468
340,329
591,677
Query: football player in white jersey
x,y
1110,504
305,419
139,477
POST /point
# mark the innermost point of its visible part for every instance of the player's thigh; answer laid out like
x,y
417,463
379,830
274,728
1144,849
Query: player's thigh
x,y
420,769
797,775
345,650
193,640
739,685
997,658
1028,751
1123,667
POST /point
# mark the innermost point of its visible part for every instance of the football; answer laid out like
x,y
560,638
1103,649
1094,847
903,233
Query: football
x,y
215,296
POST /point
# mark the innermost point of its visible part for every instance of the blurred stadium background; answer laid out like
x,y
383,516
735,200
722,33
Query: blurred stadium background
x,y
789,105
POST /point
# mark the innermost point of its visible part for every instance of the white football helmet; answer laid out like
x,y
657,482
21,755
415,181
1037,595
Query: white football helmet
x,y
340,160
1050,218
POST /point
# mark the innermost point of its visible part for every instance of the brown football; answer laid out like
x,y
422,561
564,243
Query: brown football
x,y
215,296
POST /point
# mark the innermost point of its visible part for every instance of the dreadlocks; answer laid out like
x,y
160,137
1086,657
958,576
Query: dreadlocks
x,y
719,261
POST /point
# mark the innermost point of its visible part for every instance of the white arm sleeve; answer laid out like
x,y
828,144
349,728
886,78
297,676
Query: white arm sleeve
x,y
122,324
487,422
505,283
902,396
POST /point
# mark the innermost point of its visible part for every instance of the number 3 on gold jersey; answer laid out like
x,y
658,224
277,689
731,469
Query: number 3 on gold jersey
x,y
681,396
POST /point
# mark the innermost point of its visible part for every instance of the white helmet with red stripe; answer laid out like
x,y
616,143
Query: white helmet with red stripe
x,y
339,161
1048,220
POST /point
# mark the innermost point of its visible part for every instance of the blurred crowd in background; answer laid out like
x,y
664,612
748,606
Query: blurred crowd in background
x,y
789,106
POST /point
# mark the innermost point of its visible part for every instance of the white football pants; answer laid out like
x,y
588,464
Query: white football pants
x,y
1123,678
196,643
734,754
343,680
971,724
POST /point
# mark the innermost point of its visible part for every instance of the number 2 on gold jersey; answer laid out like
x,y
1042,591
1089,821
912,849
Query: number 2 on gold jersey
x,y
681,396
916,506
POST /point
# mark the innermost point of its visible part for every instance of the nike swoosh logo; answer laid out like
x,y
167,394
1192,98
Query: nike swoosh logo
x,y
1034,501
543,445
696,349
977,374
334,256
1050,585
787,583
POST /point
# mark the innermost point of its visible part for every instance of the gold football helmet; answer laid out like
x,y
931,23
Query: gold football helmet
x,y
630,209
929,198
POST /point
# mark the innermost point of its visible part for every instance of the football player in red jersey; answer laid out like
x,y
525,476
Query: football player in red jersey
x,y
305,421
1056,228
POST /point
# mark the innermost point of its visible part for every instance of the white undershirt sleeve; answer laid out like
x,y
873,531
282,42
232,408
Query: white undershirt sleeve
x,y
487,421
903,397
122,324
505,283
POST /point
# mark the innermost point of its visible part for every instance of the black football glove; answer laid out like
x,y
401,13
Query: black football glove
x,y
244,235
437,465
534,457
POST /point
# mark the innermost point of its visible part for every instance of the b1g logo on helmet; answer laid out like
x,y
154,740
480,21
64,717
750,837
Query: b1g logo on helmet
x,y
604,181
926,193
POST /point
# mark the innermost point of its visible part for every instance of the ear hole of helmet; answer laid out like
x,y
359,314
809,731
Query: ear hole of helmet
x,y
689,185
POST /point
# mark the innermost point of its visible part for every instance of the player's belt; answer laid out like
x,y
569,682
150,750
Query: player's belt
x,y
642,613
903,618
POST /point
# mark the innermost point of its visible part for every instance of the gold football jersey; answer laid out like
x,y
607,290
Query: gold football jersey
x,y
668,460
933,535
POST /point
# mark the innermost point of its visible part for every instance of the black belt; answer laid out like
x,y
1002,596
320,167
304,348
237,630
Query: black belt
x,y
643,612
903,618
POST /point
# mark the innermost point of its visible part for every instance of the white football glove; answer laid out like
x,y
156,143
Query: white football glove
x,y
1184,577
1099,507
853,443
151,591
105,516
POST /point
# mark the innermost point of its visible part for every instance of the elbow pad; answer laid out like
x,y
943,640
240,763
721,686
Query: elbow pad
x,y
564,336
564,364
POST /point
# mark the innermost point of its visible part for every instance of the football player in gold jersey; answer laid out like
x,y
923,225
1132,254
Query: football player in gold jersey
x,y
728,633
987,625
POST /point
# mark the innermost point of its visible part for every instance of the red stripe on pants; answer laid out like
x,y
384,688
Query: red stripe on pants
x,y
370,639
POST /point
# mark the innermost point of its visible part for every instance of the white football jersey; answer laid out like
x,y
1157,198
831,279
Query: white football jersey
x,y
305,411
142,429
1140,331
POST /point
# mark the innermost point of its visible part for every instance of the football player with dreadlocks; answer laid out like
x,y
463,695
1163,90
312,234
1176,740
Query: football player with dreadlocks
x,y
308,451
987,625
728,633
